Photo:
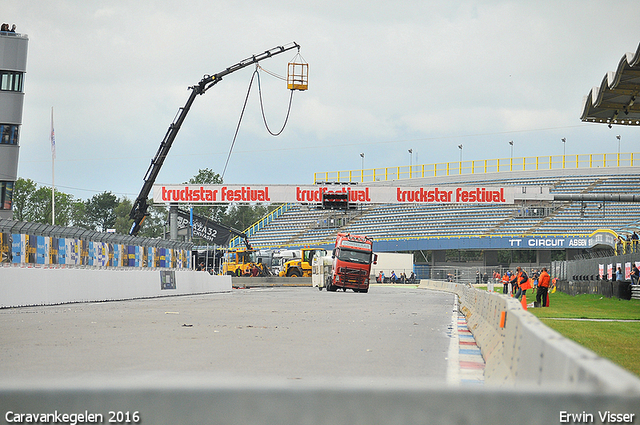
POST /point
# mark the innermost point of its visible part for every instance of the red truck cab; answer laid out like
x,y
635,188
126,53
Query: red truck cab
x,y
352,259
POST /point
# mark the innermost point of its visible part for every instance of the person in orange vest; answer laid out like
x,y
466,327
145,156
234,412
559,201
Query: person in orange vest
x,y
543,287
505,283
523,282
513,283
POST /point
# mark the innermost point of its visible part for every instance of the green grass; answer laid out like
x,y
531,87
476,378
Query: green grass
x,y
616,341
587,307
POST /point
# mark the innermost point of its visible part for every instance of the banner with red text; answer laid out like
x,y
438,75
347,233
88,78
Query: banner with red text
x,y
217,194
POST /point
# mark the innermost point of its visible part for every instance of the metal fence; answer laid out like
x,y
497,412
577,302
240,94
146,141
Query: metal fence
x,y
44,244
482,166
463,274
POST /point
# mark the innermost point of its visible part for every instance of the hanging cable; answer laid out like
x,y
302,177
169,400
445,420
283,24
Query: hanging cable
x,y
273,74
238,126
264,118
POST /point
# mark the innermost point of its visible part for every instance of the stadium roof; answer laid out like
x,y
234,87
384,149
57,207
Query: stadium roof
x,y
616,101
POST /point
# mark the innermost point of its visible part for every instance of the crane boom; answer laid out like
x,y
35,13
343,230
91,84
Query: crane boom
x,y
140,206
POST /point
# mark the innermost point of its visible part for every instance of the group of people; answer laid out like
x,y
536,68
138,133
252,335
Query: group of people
x,y
5,28
628,244
635,274
395,279
518,283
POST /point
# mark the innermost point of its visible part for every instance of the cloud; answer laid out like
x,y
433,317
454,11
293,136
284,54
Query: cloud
x,y
383,77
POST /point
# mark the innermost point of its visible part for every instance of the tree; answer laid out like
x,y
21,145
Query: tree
x,y
154,224
79,217
123,222
213,212
64,206
241,216
22,190
101,210
33,203
39,203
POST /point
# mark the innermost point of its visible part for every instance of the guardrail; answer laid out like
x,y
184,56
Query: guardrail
x,y
481,166
519,350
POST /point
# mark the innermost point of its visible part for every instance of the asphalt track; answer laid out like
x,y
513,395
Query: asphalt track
x,y
292,333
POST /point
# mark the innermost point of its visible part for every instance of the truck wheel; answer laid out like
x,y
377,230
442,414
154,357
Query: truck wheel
x,y
319,288
294,273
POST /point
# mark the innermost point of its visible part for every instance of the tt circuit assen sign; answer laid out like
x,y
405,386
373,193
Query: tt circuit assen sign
x,y
605,238
206,194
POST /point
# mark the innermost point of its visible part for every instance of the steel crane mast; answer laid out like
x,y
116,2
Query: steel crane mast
x,y
139,211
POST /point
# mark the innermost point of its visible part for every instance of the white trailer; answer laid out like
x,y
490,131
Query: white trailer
x,y
321,268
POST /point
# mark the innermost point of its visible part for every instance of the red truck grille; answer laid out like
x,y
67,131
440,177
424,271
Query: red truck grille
x,y
353,275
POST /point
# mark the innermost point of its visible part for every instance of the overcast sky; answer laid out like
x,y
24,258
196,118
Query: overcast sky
x,y
384,77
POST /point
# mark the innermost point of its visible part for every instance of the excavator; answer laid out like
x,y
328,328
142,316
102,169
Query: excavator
x,y
139,211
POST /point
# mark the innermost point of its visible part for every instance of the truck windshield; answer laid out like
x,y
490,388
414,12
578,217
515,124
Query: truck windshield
x,y
246,257
308,255
354,256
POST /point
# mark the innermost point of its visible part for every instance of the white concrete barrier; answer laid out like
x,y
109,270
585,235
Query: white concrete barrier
x,y
269,282
525,352
183,399
22,286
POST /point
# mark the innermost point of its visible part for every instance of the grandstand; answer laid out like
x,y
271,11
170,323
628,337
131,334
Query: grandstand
x,y
397,227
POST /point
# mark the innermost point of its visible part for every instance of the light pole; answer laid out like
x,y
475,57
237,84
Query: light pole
x,y
511,160
618,137
362,171
362,156
460,147
564,149
410,163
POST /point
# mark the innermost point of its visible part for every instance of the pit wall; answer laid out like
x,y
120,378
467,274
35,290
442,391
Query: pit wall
x,y
525,352
27,286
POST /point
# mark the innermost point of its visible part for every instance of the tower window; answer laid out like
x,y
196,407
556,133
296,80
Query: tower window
x,y
11,81
9,134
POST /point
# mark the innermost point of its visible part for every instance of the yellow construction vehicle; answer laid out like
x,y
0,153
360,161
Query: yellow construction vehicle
x,y
240,262
301,267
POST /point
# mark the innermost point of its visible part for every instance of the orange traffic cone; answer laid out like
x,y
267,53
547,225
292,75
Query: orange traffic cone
x,y
524,302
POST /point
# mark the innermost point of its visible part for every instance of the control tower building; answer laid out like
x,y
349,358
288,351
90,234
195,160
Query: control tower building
x,y
13,65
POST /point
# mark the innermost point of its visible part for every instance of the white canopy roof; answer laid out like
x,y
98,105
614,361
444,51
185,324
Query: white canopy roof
x,y
616,101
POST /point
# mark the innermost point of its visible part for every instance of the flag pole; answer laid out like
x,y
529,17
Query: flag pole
x,y
53,165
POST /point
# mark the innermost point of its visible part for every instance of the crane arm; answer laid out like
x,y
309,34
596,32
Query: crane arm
x,y
139,210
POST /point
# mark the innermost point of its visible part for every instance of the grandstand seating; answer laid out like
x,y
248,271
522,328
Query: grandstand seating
x,y
305,225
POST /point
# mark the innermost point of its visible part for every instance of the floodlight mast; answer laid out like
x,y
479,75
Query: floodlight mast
x,y
139,210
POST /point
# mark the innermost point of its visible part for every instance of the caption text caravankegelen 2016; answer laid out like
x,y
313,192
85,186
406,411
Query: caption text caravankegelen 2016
x,y
86,417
